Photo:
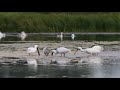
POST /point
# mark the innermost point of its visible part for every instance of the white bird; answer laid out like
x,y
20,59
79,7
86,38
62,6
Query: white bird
x,y
22,35
33,49
60,50
53,52
93,50
46,51
2,35
60,36
72,36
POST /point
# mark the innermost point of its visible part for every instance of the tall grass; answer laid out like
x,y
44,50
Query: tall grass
x,y
60,21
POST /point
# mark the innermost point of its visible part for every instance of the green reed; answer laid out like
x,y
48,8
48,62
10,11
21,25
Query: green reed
x,y
60,21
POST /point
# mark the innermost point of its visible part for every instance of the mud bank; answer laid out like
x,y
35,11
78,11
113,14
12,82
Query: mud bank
x,y
16,52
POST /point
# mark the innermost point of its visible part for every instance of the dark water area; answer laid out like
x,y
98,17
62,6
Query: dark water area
x,y
53,37
107,69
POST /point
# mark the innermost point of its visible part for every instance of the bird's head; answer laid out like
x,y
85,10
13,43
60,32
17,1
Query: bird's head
x,y
78,48
61,32
53,51
36,46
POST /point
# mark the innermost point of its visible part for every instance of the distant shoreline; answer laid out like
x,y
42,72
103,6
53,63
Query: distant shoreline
x,y
66,33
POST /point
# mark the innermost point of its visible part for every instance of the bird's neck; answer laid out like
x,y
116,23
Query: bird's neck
x,y
35,48
56,52
82,49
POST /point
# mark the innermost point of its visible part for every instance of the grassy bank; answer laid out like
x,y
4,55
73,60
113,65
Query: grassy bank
x,y
60,21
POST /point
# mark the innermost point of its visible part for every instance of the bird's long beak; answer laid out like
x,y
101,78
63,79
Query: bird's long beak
x,y
52,54
76,51
38,51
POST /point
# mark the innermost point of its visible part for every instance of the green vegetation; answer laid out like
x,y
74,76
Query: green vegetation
x,y
60,21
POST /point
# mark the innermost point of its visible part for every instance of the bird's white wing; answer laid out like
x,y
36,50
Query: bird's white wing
x,y
30,49
62,49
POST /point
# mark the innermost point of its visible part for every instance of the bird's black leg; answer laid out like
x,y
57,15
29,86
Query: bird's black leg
x,y
64,54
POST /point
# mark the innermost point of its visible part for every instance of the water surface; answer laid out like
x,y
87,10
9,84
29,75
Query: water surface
x,y
104,65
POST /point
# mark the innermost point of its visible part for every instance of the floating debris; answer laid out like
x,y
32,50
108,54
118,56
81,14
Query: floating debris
x,y
74,61
21,62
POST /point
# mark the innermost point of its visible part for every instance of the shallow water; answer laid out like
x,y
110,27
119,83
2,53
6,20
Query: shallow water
x,y
105,65
66,36
106,69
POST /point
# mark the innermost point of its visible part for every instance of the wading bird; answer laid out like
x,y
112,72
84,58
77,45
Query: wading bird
x,y
60,36
94,50
46,51
33,49
22,35
2,35
72,36
60,50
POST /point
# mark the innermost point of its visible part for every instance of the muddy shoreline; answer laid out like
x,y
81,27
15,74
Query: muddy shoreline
x,y
10,53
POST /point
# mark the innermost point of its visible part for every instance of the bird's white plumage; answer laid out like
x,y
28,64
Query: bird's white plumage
x,y
93,50
60,36
2,35
46,51
54,51
22,35
72,36
98,48
32,49
61,50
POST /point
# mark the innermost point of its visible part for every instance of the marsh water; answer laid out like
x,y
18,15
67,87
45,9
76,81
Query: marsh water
x,y
104,65
66,36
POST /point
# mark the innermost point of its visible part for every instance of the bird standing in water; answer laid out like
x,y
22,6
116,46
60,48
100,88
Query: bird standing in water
x,y
72,36
46,51
60,50
2,35
60,36
31,50
22,35
94,50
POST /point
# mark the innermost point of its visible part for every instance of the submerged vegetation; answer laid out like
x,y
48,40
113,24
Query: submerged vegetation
x,y
60,21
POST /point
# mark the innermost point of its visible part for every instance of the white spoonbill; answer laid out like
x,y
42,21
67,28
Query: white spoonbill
x,y
46,51
60,36
22,35
60,50
72,36
2,35
93,50
33,49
